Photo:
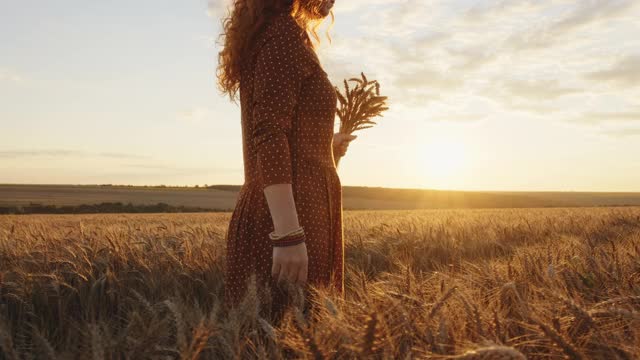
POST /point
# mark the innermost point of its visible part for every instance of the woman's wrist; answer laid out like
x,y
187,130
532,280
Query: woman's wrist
x,y
290,238
282,228
282,208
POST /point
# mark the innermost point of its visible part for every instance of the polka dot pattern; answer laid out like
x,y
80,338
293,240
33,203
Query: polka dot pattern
x,y
288,110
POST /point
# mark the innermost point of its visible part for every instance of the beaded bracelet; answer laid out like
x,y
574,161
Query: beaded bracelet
x,y
294,237
290,241
273,235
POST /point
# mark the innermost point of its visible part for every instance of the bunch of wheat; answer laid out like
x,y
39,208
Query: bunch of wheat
x,y
360,104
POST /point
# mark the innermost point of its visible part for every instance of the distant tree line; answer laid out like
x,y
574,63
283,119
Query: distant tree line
x,y
163,186
105,207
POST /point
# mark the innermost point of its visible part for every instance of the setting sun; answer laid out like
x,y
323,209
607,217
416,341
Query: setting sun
x,y
442,161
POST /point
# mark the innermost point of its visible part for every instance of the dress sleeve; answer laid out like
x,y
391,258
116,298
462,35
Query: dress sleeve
x,y
278,78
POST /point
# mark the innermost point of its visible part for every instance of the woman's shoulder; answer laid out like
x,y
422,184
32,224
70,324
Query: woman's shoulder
x,y
284,38
284,27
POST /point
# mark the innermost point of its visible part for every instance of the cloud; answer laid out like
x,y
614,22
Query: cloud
x,y
31,153
342,7
625,73
197,115
123,155
164,169
11,76
472,58
490,9
628,132
147,166
535,97
59,153
428,78
538,90
591,11
609,117
217,8
586,13
618,129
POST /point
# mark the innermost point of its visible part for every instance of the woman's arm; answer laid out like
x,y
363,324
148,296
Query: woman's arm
x,y
277,81
282,207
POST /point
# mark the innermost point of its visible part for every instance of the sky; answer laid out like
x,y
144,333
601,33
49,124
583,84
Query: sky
x,y
529,95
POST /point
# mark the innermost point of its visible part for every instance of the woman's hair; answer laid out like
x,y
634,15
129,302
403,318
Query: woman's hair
x,y
246,20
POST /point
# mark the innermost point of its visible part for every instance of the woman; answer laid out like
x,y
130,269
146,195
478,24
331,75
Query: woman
x,y
287,224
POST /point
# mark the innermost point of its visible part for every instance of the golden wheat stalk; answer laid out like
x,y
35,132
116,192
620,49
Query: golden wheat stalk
x,y
494,352
358,105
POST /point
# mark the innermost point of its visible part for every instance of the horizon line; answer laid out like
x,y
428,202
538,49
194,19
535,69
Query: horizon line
x,y
353,186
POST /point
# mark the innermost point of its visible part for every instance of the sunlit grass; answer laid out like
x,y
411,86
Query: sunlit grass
x,y
494,284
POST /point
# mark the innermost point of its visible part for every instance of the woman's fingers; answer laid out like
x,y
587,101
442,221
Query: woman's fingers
x,y
275,269
343,148
340,139
284,274
302,275
289,273
343,143
283,270
293,273
347,140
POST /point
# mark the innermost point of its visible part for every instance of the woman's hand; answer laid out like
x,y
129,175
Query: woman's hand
x,y
290,263
341,143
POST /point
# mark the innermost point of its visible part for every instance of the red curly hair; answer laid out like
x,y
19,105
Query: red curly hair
x,y
246,20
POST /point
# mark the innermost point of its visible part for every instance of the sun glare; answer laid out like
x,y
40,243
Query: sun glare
x,y
443,161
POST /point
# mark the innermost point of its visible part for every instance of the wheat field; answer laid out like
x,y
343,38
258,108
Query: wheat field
x,y
420,284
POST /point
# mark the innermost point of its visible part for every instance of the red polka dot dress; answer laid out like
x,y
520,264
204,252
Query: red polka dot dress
x,y
288,110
